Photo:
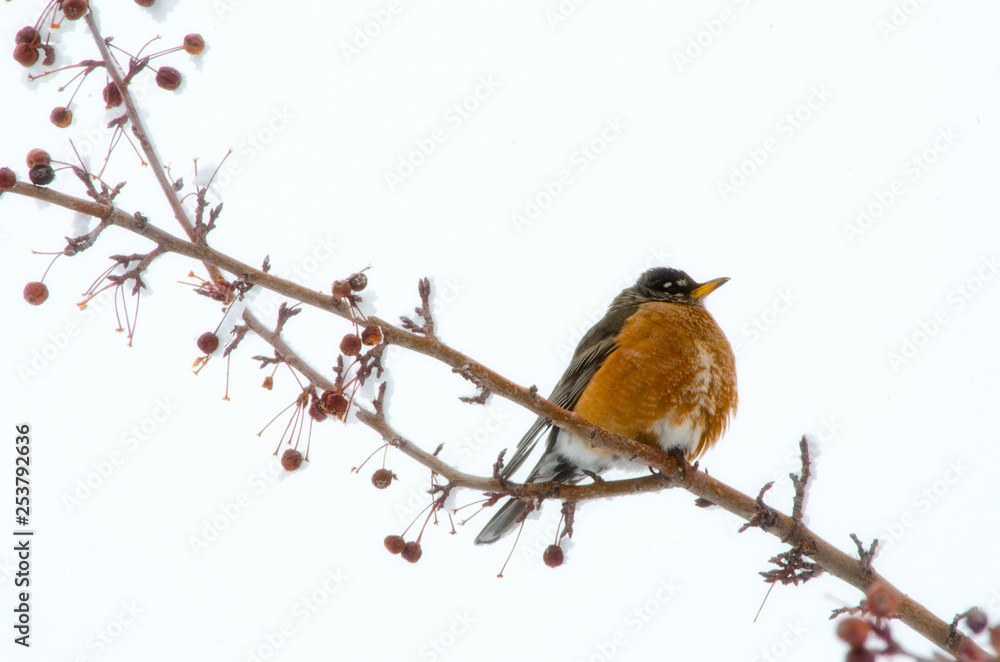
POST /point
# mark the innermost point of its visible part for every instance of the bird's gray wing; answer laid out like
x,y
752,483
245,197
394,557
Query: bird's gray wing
x,y
594,348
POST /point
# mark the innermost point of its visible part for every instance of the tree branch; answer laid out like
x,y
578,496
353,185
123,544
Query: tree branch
x,y
831,559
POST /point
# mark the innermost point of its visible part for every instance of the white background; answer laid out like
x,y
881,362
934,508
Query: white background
x,y
843,105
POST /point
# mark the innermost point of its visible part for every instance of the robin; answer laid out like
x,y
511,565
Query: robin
x,y
656,368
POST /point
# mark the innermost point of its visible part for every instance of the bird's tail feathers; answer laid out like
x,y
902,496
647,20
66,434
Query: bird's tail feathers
x,y
510,515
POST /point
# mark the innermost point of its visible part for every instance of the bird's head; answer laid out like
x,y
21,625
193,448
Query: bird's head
x,y
671,285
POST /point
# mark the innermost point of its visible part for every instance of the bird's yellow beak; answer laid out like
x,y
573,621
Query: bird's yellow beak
x,y
705,289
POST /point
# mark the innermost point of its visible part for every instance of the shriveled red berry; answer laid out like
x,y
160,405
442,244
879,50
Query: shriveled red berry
x,y
50,55
358,281
860,655
395,544
37,156
412,552
371,335
316,412
61,117
334,402
350,345
36,293
42,174
268,383
553,556
194,44
208,342
168,78
882,601
977,620
853,631
26,54
341,288
27,35
112,95
995,638
75,9
382,478
7,179
144,3
291,460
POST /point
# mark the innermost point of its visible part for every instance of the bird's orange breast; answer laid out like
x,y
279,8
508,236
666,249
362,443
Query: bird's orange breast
x,y
671,381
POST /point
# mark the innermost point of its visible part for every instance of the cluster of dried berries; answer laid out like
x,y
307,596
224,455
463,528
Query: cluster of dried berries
x,y
29,44
880,606
408,550
29,40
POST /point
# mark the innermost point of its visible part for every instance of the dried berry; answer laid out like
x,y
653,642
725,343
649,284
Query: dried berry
x,y
61,117
27,35
412,552
36,293
553,556
882,601
37,156
168,78
291,460
194,44
42,174
382,478
860,655
372,335
316,412
112,95
395,544
268,383
50,55
208,342
74,9
7,179
853,631
350,345
333,402
26,54
358,281
144,3
341,288
995,638
977,620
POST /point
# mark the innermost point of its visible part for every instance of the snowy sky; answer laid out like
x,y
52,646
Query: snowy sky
x,y
838,162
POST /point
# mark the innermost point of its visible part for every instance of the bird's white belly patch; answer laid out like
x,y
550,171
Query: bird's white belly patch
x,y
686,436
